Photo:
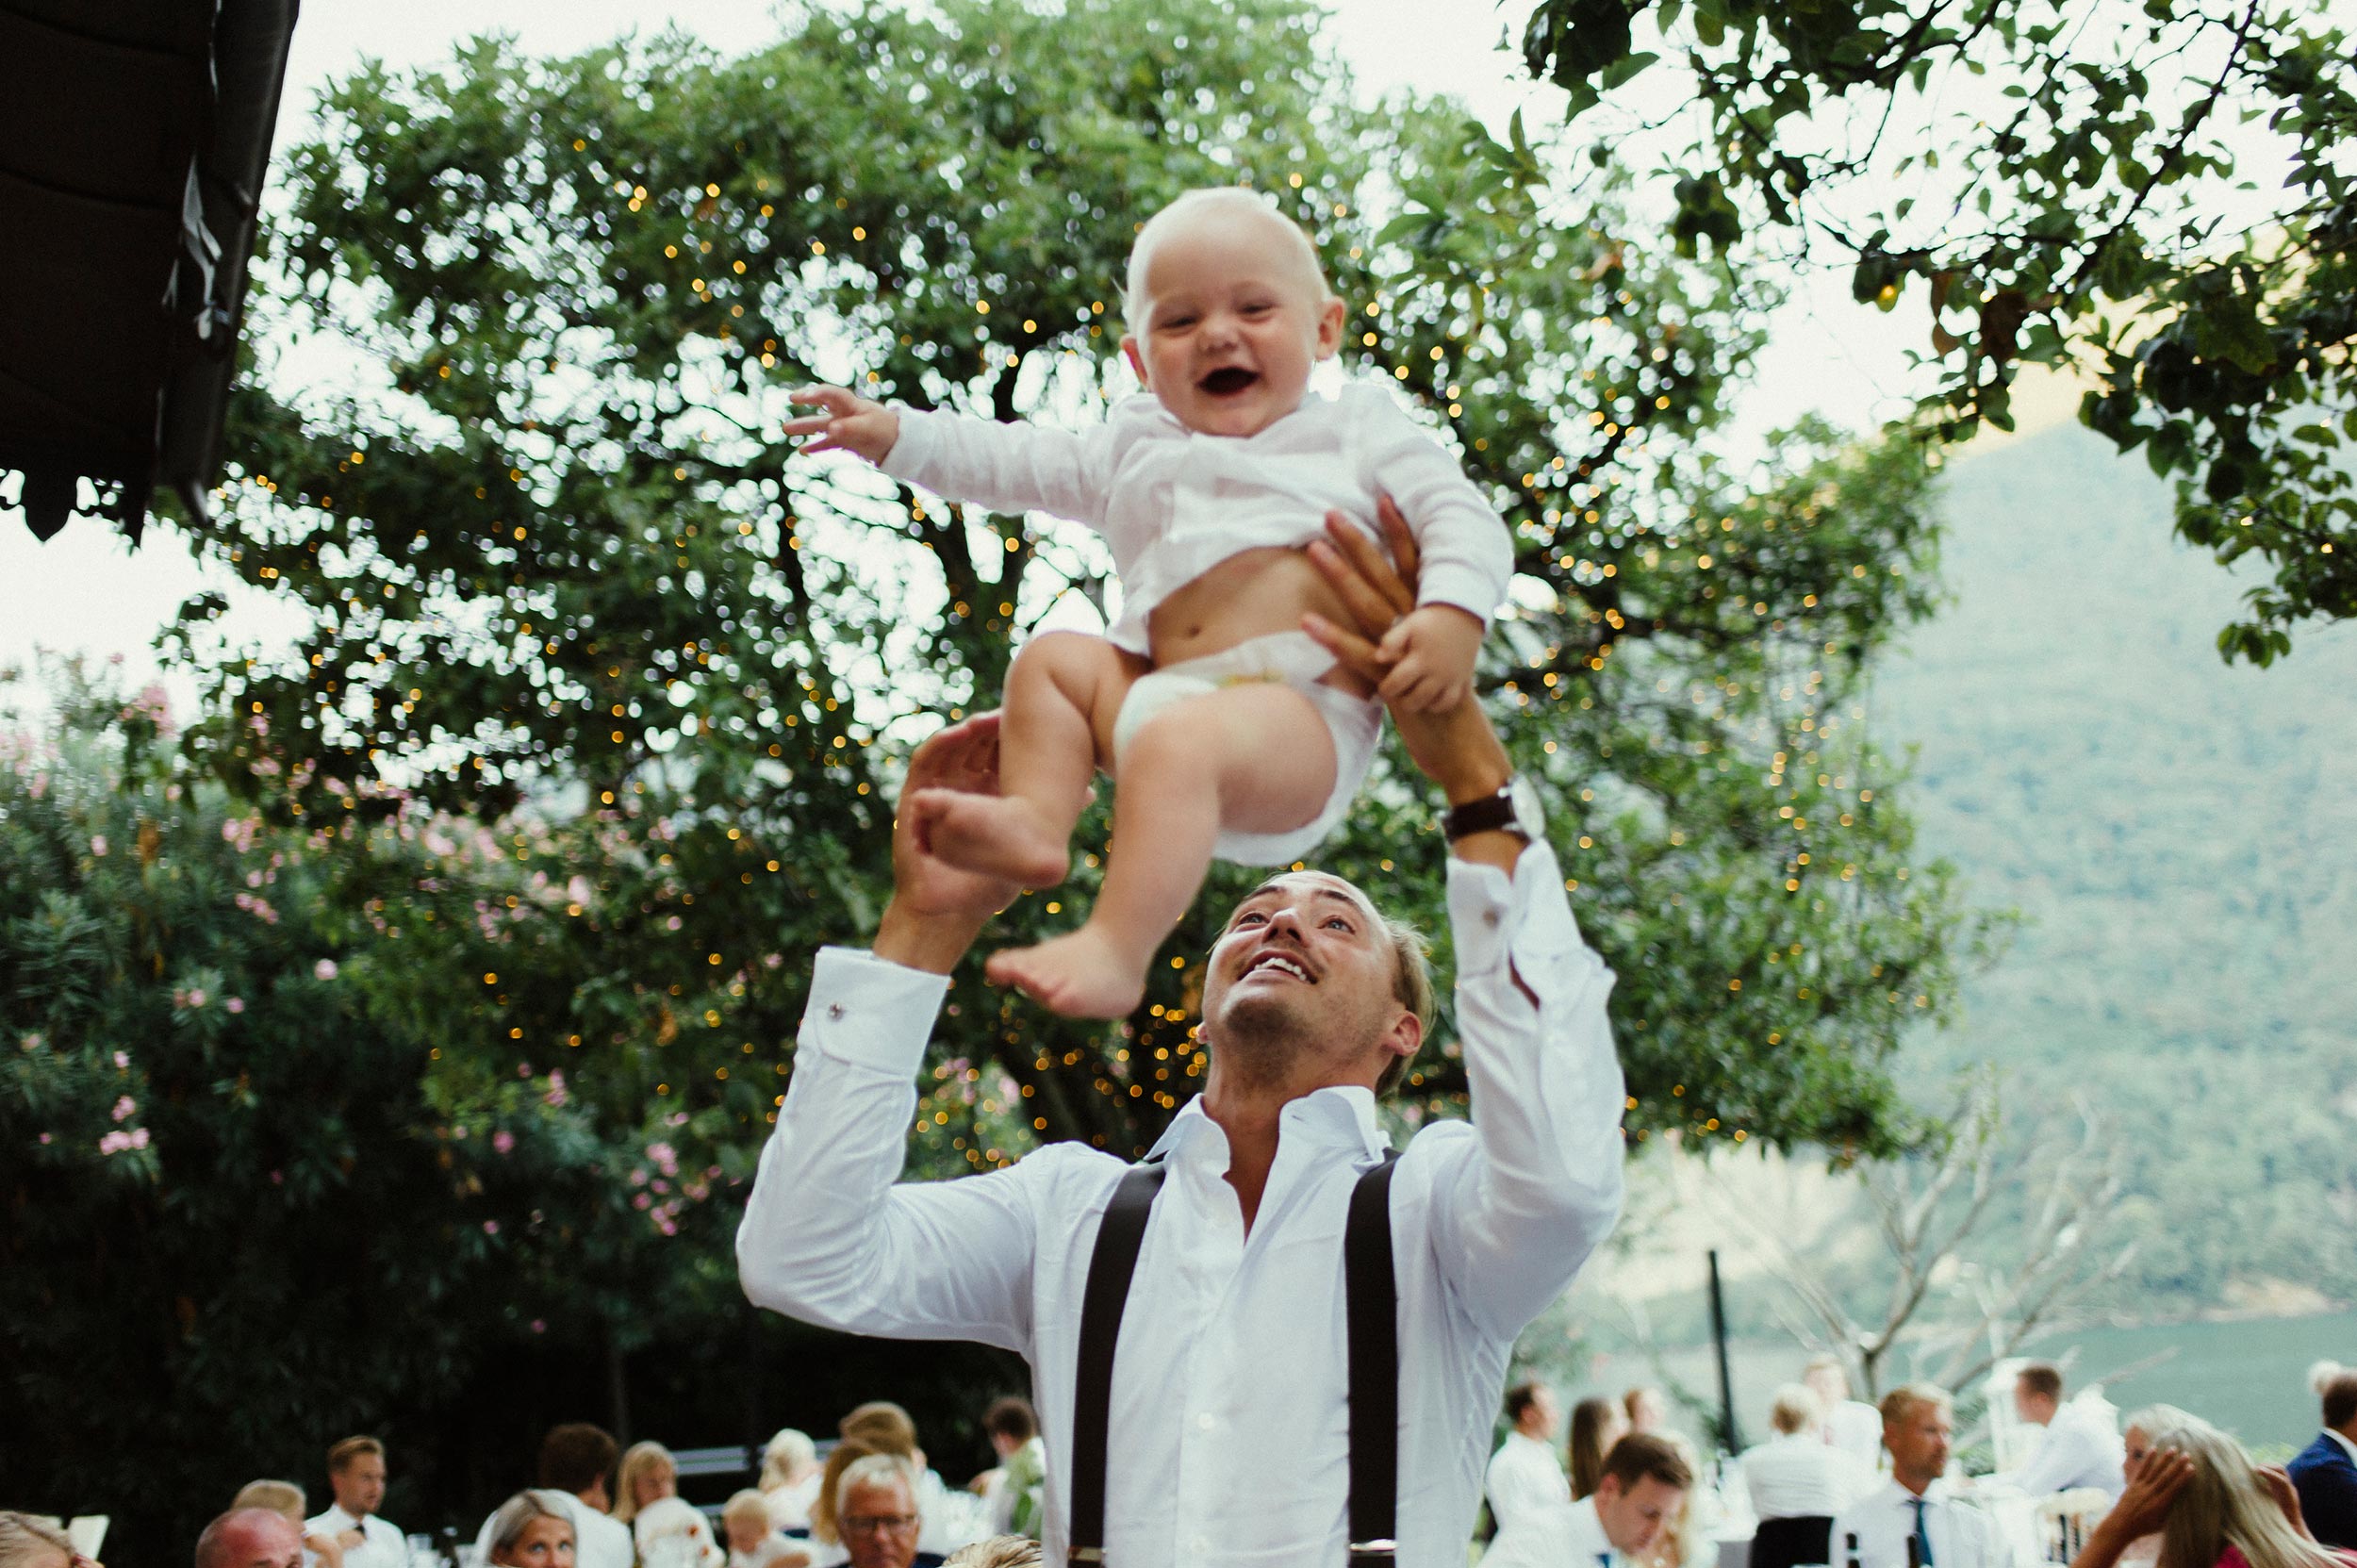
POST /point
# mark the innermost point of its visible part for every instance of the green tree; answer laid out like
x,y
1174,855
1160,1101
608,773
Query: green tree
x,y
2062,181
561,565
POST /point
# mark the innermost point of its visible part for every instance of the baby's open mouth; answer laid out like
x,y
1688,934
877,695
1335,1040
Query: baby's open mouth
x,y
1227,380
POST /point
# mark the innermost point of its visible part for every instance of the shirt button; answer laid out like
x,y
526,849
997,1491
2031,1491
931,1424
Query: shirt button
x,y
1489,917
835,1010
1206,1421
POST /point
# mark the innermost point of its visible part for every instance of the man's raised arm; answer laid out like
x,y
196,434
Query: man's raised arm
x,y
828,1236
1544,1081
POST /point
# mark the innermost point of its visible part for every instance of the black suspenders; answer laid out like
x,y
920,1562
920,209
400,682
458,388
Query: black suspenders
x,y
1371,1296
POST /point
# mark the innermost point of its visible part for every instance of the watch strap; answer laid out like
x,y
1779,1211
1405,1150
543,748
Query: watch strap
x,y
1486,813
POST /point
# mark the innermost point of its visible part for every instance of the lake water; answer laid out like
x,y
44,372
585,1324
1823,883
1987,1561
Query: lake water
x,y
2249,1377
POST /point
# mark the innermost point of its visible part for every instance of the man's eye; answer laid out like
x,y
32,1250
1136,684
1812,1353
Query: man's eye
x,y
1338,921
1248,916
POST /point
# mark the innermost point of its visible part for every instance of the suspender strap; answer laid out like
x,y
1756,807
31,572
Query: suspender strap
x,y
1110,1265
1370,1307
1371,1304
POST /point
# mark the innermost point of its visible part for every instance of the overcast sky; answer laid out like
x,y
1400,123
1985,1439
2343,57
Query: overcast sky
x,y
87,590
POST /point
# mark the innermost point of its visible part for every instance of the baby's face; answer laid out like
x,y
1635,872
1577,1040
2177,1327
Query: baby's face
x,y
1231,323
746,1535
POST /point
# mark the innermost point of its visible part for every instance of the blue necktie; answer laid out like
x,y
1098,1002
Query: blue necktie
x,y
1922,1540
1604,1560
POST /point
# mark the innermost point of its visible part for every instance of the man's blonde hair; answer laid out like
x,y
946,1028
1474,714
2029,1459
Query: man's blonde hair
x,y
1215,201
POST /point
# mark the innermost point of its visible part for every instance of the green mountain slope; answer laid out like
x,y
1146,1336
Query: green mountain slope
x,y
2182,840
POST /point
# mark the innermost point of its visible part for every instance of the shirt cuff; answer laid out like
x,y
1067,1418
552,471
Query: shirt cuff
x,y
1522,920
1470,590
870,1011
912,448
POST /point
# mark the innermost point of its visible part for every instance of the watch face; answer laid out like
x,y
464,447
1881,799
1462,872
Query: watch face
x,y
1529,819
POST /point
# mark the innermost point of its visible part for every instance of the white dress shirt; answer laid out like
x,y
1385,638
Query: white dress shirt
x,y
1884,1519
600,1539
2079,1448
1856,1428
1524,1476
1795,1475
383,1546
1229,1437
1561,1535
1173,502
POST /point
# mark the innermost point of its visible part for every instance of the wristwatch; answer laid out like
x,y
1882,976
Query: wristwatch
x,y
1513,809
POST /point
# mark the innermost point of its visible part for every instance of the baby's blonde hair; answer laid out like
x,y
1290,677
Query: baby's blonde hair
x,y
747,1504
1216,200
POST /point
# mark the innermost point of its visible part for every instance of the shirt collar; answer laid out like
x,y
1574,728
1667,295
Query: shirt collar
x,y
2347,1447
1340,1116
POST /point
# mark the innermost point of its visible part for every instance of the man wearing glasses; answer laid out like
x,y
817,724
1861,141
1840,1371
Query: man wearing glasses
x,y
1226,1409
875,1508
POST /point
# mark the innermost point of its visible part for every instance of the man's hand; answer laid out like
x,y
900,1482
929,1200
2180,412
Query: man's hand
x,y
851,422
937,909
1454,744
1431,651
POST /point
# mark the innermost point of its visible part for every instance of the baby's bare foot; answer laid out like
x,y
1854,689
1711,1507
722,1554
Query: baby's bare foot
x,y
994,835
1081,975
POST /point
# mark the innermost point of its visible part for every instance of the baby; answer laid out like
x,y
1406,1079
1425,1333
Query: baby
x,y
1229,732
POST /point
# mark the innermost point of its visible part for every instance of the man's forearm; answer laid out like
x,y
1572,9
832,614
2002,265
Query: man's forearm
x,y
933,943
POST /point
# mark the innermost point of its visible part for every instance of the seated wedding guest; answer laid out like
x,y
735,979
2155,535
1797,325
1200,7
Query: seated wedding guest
x,y
1794,1475
1011,1491
249,1538
2136,1436
575,1460
789,1478
532,1530
649,1474
1850,1425
287,1498
29,1542
2325,1472
1899,1524
1596,1426
1644,1486
356,1473
871,1506
999,1551
950,1517
1687,1539
672,1532
2211,1507
2078,1447
1647,1409
1524,1474
752,1535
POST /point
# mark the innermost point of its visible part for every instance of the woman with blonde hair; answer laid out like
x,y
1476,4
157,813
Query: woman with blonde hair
x,y
790,1472
649,1474
532,1530
2211,1507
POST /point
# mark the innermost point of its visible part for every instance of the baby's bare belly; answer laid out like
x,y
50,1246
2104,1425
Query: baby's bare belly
x,y
1248,594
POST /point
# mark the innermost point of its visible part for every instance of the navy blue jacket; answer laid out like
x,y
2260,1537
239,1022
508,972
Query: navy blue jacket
x,y
2327,1483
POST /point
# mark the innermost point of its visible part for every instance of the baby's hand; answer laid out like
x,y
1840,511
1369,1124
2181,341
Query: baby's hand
x,y
851,422
1431,651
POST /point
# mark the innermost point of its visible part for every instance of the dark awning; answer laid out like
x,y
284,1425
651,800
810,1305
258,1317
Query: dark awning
x,y
134,134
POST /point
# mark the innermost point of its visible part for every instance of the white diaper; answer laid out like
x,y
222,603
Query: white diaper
x,y
1291,658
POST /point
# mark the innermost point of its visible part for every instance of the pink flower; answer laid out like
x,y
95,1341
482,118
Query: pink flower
x,y
556,1088
504,1141
235,1004
641,1201
324,968
139,1137
125,1108
122,1058
196,998
98,844
539,1326
490,1228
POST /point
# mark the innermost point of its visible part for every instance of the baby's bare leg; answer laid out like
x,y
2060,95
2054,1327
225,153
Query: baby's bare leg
x,y
1254,758
1057,723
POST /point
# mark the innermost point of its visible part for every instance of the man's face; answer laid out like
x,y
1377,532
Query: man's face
x,y
1634,1517
1829,1383
2031,1406
880,1526
1918,1441
359,1486
1302,978
1546,1415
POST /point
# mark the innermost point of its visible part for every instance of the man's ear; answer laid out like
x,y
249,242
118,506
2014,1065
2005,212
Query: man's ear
x,y
1137,360
1405,1037
1330,319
